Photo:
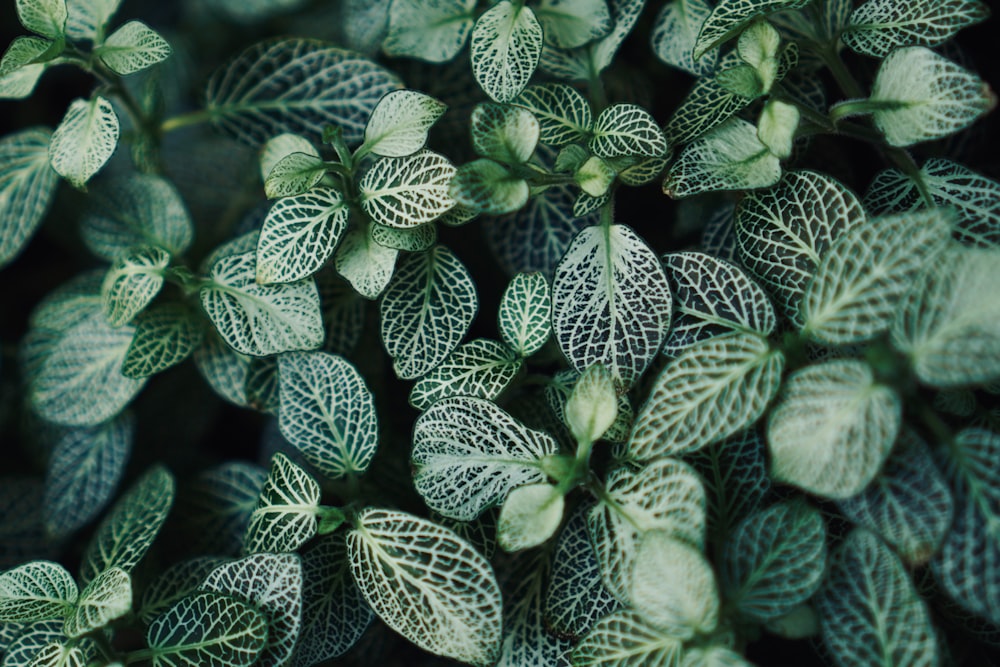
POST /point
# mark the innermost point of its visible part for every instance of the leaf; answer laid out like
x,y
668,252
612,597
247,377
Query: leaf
x,y
272,584
207,629
878,26
776,127
260,319
675,33
525,320
132,282
505,133
84,140
409,191
870,610
560,390
592,408
282,146
175,583
858,285
293,174
365,264
165,335
223,368
714,389
88,18
919,96
626,639
531,514
627,129
774,560
567,25
218,503
132,48
399,123
706,106
832,428
783,232
481,368
43,17
426,310
563,113
488,187
285,516
19,69
712,297
427,584
27,186
410,239
433,31
730,17
58,654
506,44
84,471
526,640
327,413
473,440
36,591
578,64
299,235
296,85
30,641
610,302
107,597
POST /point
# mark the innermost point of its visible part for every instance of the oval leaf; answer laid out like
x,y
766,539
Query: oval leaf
x,y
399,123
506,45
84,141
27,186
481,368
879,26
525,317
133,47
107,597
36,591
207,629
285,516
299,234
409,191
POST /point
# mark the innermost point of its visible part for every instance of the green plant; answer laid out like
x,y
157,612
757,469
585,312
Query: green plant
x,y
685,458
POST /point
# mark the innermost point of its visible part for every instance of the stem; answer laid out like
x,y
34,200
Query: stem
x,y
186,119
595,88
831,58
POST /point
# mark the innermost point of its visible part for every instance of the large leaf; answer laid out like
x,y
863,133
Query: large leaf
x,y
567,25
627,639
526,639
729,17
427,584
473,440
434,31
175,583
84,140
610,302
218,503
408,191
714,389
832,428
879,26
19,71
36,591
482,368
399,123
327,412
107,597
593,58
706,106
676,32
426,310
165,335
132,282
299,234
296,85
61,654
88,18
562,112
43,17
285,516
133,47
525,317
27,185
627,129
506,44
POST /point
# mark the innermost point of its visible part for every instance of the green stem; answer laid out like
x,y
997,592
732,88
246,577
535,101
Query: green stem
x,y
831,58
139,656
186,119
595,88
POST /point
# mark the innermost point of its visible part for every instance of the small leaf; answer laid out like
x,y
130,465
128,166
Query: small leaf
x,y
59,654
132,282
165,335
506,45
43,17
530,516
561,388
729,17
410,239
84,141
879,26
525,317
434,32
593,406
675,33
299,235
595,177
294,174
399,123
504,133
408,191
627,639
280,147
567,25
285,515
27,187
207,629
488,187
776,127
20,69
133,47
706,106
627,129
368,266
36,591
481,368
88,18
563,113
107,597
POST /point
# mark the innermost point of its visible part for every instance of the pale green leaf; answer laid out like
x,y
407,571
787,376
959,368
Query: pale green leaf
x,y
132,282
879,26
107,597
832,428
132,48
626,639
216,506
530,516
285,516
592,408
36,591
562,112
223,368
88,18
434,30
561,387
715,388
368,266
59,654
567,24
19,71
473,440
175,583
84,140
610,302
426,310
595,57
730,17
482,368
299,234
399,123
774,560
294,174
627,129
594,177
488,187
505,133
525,316
327,413
27,186
776,127
409,239
127,532
407,191
506,44
165,335
706,106
675,33
871,613
281,146
43,17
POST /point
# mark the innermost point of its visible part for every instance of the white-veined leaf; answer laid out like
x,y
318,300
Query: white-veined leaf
x,y
562,112
879,26
30,639
272,584
36,591
473,440
505,133
296,85
675,33
525,315
582,62
19,69
87,19
84,140
165,335
85,468
559,391
217,504
774,560
410,239
592,408
426,310
506,44
279,147
133,47
399,123
434,31
407,191
481,368
367,265
729,17
610,302
27,185
567,25
285,516
871,614
175,583
127,532
531,514
706,106
488,187
718,237
223,368
256,319
299,234
132,282
626,639
832,428
327,413
715,388
427,584
43,17
526,639
627,129
293,174
107,597
60,654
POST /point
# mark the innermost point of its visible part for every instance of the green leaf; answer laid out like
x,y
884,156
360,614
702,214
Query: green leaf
x,y
594,58
260,319
43,17
525,316
294,174
562,112
714,389
730,17
427,584
879,26
860,282
223,368
132,48
217,506
776,127
165,335
504,133
531,514
592,408
741,80
272,584
299,234
31,640
706,106
869,607
36,591
59,654
627,129
399,123
610,302
327,413
426,311
774,560
285,516
558,393
411,239
488,187
107,597
594,177
296,85
88,18
434,31
506,44
473,440
729,157
175,583
132,282
367,265
408,191
482,368
85,468
207,629
20,69
567,25
27,186
832,428
626,639
84,140
279,147
919,96
675,33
